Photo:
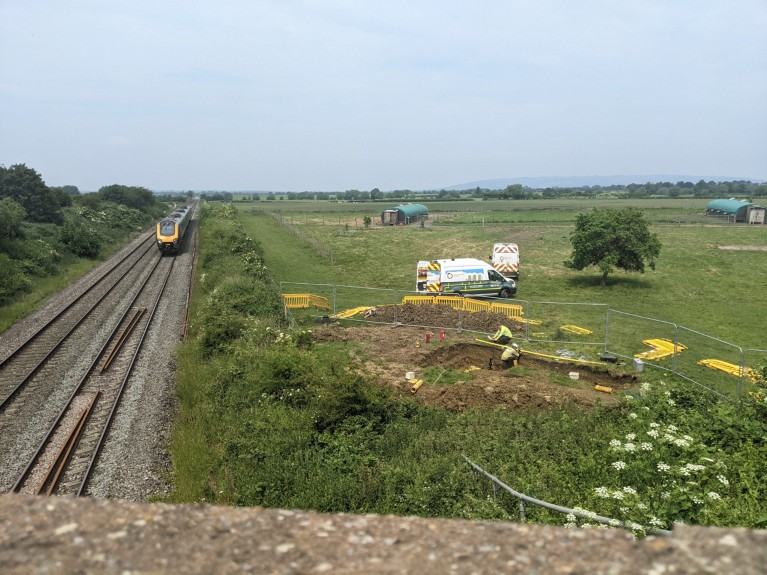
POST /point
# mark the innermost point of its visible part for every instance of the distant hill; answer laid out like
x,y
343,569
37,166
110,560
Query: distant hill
x,y
581,181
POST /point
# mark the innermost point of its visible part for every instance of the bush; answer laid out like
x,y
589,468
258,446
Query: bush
x,y
80,239
12,280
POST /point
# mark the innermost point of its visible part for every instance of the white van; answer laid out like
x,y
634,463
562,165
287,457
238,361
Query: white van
x,y
463,276
505,259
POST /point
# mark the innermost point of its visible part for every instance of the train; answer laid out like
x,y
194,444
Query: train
x,y
170,230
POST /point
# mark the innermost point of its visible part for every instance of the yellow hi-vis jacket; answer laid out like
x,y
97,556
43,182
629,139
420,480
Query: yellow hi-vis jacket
x,y
503,331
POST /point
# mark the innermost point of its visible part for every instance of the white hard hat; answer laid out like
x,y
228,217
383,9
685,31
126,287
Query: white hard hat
x,y
515,346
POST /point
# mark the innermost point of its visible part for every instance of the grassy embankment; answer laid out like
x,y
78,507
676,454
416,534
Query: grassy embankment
x,y
269,418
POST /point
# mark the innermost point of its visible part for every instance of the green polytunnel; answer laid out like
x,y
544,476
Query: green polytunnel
x,y
404,214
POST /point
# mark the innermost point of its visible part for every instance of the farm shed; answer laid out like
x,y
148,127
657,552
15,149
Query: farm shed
x,y
736,211
403,215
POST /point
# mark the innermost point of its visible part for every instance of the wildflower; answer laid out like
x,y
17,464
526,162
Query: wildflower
x,y
624,510
665,495
646,446
633,415
671,402
571,518
618,495
672,428
630,447
615,444
653,424
681,443
722,479
631,436
655,522
713,495
663,467
601,492
698,500
645,387
619,465
653,433
630,490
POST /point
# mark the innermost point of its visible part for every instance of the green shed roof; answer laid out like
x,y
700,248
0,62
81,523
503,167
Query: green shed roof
x,y
411,209
727,206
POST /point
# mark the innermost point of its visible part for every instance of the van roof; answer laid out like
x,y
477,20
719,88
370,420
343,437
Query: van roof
x,y
462,262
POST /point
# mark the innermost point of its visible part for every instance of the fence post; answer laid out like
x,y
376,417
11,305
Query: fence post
x,y
607,330
522,510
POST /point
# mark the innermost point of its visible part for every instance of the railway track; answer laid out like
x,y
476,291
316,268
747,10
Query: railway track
x,y
60,386
63,462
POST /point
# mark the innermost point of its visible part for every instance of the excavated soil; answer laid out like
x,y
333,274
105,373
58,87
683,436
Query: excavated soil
x,y
389,352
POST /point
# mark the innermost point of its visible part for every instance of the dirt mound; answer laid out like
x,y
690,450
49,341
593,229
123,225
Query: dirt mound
x,y
479,379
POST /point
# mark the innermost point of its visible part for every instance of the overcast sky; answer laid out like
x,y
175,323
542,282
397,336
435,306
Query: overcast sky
x,y
291,95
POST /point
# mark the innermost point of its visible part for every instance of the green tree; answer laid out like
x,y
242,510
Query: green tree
x,y
609,239
12,215
25,186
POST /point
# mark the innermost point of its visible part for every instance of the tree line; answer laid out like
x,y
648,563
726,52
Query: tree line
x,y
741,189
43,228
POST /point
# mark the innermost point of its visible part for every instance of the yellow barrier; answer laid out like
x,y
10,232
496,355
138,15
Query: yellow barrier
x,y
418,299
661,348
730,368
576,329
511,310
351,312
304,300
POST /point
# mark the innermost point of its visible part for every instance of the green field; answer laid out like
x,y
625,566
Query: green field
x,y
697,283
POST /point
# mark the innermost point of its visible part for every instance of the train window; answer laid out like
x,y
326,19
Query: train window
x,y
167,228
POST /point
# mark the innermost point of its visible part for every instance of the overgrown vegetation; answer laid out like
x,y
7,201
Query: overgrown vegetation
x,y
269,417
46,232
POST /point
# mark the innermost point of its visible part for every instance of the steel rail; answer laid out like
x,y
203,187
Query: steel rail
x,y
71,304
46,440
110,417
22,383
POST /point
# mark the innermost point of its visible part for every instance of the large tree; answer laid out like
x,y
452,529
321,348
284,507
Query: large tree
x,y
609,239
26,187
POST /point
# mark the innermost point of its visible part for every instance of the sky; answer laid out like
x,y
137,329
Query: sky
x,y
333,95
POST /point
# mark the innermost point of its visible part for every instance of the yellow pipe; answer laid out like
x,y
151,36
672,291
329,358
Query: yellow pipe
x,y
543,354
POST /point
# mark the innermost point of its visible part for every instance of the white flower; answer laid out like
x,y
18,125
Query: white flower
x,y
697,500
645,387
630,490
619,465
615,443
655,522
571,518
630,447
653,433
631,436
671,402
633,415
722,479
601,492
617,495
681,443
663,467
672,428
653,424
713,495
646,446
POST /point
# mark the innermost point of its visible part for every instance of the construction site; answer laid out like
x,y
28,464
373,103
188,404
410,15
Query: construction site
x,y
456,366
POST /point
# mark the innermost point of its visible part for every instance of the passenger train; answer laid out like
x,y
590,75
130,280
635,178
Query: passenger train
x,y
170,231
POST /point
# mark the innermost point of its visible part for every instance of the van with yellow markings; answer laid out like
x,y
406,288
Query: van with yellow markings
x,y
463,276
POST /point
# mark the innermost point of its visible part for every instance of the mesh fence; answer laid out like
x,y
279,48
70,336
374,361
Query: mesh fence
x,y
567,329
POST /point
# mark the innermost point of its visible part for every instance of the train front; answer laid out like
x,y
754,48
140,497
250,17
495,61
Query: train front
x,y
167,236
